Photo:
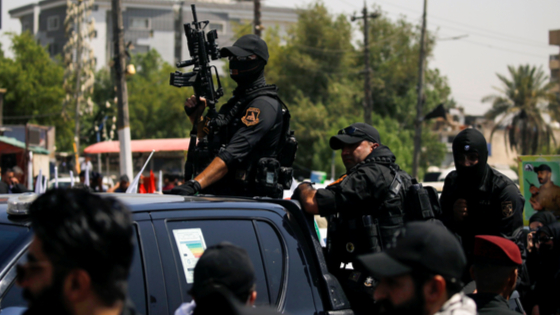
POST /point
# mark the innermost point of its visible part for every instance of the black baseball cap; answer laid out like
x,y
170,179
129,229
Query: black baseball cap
x,y
419,246
245,46
353,134
224,264
124,178
543,167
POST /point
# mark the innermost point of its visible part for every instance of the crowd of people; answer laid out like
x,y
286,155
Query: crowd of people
x,y
393,248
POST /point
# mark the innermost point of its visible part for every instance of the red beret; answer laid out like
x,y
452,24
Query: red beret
x,y
496,250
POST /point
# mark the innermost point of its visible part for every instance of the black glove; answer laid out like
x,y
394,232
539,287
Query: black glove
x,y
189,188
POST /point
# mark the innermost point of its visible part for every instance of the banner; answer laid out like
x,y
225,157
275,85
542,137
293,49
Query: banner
x,y
538,176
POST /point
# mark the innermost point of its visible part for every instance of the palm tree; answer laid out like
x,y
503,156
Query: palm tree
x,y
524,98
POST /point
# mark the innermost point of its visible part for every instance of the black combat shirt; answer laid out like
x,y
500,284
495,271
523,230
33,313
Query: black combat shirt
x,y
494,208
490,304
254,132
361,190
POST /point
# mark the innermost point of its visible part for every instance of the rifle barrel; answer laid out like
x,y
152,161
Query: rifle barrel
x,y
195,19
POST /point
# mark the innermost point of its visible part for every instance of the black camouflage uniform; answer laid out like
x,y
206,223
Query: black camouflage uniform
x,y
494,203
352,203
253,132
250,126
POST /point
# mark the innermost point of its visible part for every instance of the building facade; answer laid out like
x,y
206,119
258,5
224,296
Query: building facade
x,y
148,24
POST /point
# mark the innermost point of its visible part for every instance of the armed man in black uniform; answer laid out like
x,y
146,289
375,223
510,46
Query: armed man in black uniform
x,y
243,153
364,207
476,199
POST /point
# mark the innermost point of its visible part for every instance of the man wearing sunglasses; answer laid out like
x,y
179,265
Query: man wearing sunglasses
x,y
363,207
79,259
251,130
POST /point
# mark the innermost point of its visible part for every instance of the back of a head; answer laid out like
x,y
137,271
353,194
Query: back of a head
x,y
495,259
421,247
81,230
224,265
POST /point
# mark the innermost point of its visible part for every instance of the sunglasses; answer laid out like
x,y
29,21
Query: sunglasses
x,y
546,238
29,269
244,58
351,131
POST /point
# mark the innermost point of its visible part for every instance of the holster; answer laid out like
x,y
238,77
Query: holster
x,y
349,238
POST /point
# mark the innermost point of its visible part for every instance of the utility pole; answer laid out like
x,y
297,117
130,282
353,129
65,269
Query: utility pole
x,y
368,102
2,92
79,77
420,98
257,27
78,86
123,125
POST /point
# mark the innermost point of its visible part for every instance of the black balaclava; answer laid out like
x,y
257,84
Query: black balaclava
x,y
247,71
470,140
544,217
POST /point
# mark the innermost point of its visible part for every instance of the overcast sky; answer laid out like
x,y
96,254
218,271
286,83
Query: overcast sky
x,y
500,33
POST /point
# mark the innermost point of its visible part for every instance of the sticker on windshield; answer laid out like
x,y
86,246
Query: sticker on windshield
x,y
191,245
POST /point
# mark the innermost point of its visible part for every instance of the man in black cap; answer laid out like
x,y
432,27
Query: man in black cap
x,y
548,196
359,204
250,130
478,200
495,272
222,266
121,186
420,273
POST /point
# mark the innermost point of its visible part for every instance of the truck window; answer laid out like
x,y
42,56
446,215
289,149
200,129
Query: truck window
x,y
273,255
238,232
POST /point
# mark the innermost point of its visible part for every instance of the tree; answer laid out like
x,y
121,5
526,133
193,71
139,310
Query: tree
x,y
79,62
34,88
317,70
523,99
156,108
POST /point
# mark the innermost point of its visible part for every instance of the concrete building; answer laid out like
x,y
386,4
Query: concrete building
x,y
554,62
147,24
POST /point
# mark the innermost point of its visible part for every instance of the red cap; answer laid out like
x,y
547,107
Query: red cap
x,y
496,250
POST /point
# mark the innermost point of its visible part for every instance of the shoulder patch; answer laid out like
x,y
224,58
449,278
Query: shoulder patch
x,y
251,118
338,180
507,209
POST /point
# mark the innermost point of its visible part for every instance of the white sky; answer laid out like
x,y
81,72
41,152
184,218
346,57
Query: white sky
x,y
500,33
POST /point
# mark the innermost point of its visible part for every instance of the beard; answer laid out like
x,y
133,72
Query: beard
x,y
48,301
414,306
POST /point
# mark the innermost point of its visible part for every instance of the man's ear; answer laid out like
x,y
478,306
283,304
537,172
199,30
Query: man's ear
x,y
252,298
512,280
434,289
77,285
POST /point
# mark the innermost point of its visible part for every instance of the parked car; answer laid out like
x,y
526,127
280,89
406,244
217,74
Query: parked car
x,y
280,239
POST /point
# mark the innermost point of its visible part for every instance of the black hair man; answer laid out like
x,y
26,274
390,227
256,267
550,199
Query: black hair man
x,y
79,259
420,273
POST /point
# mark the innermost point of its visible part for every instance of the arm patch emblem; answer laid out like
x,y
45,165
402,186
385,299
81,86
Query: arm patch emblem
x,y
251,118
507,209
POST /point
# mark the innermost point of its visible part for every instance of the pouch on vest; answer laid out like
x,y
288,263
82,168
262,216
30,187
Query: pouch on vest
x,y
267,175
421,203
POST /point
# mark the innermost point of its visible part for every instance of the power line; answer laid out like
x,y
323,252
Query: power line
x,y
501,36
31,116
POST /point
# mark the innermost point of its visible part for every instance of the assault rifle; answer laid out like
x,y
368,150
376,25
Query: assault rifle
x,y
202,48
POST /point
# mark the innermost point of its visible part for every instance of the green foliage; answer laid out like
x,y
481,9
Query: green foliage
x,y
155,107
523,98
34,89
